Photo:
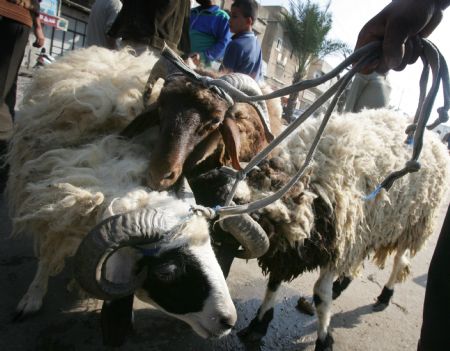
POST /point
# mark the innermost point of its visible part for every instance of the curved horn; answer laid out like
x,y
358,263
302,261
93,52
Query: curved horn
x,y
249,86
184,192
249,233
132,228
243,82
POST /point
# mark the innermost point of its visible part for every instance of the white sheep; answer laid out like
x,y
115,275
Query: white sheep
x,y
71,174
88,93
324,222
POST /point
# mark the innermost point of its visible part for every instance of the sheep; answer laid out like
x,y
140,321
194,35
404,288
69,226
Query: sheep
x,y
324,222
201,130
82,95
76,186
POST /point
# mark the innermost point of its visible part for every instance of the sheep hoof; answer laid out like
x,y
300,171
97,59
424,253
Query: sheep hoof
x,y
383,300
17,317
20,316
305,306
249,335
379,306
27,306
257,328
325,345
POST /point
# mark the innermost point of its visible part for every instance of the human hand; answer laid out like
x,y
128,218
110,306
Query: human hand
x,y
40,38
195,57
399,26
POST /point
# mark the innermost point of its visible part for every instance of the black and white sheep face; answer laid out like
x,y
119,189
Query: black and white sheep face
x,y
188,284
182,279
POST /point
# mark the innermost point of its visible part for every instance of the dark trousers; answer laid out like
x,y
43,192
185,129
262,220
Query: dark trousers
x,y
436,310
13,39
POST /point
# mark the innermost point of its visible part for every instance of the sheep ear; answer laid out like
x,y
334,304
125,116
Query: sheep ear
x,y
232,139
147,119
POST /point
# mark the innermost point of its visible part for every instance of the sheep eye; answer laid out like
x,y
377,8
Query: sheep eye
x,y
209,126
166,272
216,120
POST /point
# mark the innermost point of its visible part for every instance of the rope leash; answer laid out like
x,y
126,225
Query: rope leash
x,y
239,96
431,58
337,89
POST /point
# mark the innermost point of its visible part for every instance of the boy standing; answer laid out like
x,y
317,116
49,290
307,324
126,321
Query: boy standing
x,y
209,31
243,53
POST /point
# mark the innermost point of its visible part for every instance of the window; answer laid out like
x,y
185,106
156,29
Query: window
x,y
73,39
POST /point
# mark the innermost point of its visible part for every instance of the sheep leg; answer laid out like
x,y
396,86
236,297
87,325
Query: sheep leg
x,y
225,251
117,320
340,284
31,302
323,292
257,328
399,270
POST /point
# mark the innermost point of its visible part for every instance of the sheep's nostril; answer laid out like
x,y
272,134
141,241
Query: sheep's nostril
x,y
227,322
169,176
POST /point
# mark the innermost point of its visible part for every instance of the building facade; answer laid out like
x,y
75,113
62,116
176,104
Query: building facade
x,y
60,39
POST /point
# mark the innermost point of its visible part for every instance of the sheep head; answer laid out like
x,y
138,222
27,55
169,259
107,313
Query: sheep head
x,y
165,259
192,120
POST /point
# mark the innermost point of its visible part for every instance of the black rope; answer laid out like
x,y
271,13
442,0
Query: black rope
x,y
431,58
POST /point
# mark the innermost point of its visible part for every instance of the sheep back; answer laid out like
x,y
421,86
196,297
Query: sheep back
x,y
356,153
69,169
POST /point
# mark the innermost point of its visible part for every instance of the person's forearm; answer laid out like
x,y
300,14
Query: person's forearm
x,y
36,21
38,32
443,4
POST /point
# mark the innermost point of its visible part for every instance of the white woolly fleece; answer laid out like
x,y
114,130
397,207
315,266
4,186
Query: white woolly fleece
x,y
355,154
67,168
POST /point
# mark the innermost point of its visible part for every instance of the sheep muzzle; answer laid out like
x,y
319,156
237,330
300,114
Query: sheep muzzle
x,y
162,174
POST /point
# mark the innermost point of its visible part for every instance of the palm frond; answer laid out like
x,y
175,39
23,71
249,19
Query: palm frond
x,y
306,26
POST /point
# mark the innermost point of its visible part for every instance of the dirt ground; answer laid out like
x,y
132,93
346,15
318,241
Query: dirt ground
x,y
67,324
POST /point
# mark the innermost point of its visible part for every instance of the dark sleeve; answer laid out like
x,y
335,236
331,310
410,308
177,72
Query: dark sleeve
x,y
232,56
185,41
443,3
36,6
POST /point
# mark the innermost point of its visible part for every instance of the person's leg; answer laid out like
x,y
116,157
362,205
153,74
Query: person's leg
x,y
12,46
13,40
436,309
3,167
10,99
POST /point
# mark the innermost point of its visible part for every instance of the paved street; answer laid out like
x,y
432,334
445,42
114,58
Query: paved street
x,y
65,323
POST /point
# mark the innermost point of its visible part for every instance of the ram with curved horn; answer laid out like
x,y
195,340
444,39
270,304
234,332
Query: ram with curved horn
x,y
164,258
200,129
325,221
76,187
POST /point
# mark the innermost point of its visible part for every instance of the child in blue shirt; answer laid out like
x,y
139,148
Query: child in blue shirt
x,y
209,32
243,53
